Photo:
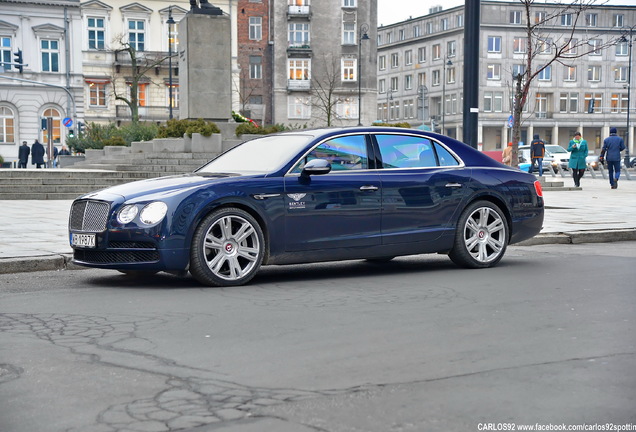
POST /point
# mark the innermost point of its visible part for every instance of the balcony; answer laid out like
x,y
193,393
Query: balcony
x,y
298,47
298,85
298,12
146,113
543,115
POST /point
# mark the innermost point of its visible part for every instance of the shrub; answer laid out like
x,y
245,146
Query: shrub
x,y
115,141
177,128
1,160
249,128
402,125
141,131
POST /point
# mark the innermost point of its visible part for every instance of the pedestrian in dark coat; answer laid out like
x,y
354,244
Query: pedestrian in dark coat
x,y
37,154
537,153
613,145
23,155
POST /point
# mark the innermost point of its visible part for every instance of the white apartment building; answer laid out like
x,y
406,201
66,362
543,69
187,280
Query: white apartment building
x,y
420,74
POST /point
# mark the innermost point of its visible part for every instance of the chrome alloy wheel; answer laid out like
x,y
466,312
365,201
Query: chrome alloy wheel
x,y
485,234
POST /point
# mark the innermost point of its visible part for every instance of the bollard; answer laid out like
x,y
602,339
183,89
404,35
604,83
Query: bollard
x,y
602,169
591,170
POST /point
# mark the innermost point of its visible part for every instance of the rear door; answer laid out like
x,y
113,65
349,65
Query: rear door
x,y
423,185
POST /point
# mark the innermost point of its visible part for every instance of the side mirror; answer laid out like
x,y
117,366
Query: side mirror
x,y
316,167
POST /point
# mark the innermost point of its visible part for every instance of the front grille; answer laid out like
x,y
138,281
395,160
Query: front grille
x,y
130,245
115,257
89,215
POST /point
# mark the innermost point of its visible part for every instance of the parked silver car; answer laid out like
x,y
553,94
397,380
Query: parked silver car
x,y
555,156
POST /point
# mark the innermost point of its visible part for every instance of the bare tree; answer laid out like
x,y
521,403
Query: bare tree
x,y
140,64
551,33
326,90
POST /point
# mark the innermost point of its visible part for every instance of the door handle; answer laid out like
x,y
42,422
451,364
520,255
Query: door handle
x,y
370,188
453,185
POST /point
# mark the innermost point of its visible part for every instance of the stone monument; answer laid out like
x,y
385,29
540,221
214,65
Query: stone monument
x,y
205,66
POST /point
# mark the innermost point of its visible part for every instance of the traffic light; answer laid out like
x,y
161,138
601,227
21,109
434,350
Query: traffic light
x,y
71,133
590,107
18,59
80,128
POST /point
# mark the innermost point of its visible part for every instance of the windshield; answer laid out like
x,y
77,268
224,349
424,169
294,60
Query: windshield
x,y
259,155
555,148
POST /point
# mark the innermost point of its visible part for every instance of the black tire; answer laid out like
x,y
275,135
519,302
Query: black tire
x,y
227,248
481,237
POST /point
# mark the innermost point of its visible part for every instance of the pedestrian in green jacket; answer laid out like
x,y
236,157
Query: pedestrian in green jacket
x,y
578,153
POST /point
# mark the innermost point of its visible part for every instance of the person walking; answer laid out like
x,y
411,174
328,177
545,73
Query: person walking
x,y
23,155
578,152
506,155
613,145
537,153
37,154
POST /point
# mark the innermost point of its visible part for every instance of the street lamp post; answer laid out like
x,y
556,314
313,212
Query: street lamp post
x,y
170,23
362,35
448,63
389,97
629,93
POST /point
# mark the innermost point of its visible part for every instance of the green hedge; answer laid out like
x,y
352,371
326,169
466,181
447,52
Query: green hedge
x,y
97,136
402,125
251,129
178,128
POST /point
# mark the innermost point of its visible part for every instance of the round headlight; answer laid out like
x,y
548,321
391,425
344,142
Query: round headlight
x,y
153,212
127,214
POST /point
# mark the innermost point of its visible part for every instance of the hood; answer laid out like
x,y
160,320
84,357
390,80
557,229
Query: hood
x,y
160,186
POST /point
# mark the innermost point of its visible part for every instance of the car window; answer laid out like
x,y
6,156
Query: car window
x,y
345,153
399,151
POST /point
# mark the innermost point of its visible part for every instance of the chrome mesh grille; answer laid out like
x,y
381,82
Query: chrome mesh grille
x,y
89,215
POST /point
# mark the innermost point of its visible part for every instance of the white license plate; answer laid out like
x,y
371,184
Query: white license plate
x,y
83,240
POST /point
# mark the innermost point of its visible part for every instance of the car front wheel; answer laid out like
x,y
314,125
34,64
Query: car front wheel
x,y
227,248
482,236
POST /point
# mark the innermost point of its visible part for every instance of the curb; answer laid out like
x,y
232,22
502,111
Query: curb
x,y
65,261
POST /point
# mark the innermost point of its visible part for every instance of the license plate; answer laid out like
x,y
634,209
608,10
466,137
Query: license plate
x,y
83,240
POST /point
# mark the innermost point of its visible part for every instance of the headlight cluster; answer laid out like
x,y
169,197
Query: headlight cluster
x,y
150,214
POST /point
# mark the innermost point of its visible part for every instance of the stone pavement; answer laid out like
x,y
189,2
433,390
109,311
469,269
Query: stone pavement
x,y
34,235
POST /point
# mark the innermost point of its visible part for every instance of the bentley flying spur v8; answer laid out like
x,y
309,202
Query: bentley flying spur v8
x,y
306,196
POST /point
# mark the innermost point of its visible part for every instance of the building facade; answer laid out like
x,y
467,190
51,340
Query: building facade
x,y
50,84
420,73
323,62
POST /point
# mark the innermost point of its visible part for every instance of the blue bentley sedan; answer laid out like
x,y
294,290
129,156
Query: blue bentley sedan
x,y
308,196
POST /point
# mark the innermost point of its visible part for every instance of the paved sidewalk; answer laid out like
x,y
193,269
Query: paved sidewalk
x,y
34,236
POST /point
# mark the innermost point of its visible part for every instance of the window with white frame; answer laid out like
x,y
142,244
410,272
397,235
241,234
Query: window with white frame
x,y
348,67
256,67
389,37
566,19
436,78
569,73
50,51
401,35
619,20
408,57
569,102
256,28
539,17
348,3
395,83
97,94
137,34
494,44
421,54
429,28
417,31
493,101
594,73
96,31
379,39
595,46
591,20
298,69
519,45
298,107
460,21
175,95
348,33
544,46
593,102
347,108
622,48
515,17
382,62
6,52
382,86
618,103
493,71
421,79
437,52
451,48
518,69
298,34
443,24
545,74
408,82
450,75
7,125
395,60
620,73
541,101
571,47
409,109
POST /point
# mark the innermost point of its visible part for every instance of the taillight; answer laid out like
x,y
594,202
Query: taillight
x,y
538,189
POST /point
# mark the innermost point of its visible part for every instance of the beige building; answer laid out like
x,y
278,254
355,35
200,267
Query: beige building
x,y
420,74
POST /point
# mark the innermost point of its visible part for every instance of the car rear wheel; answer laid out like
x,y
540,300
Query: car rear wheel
x,y
482,236
227,248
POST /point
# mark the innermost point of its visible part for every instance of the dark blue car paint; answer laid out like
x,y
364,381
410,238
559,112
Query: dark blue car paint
x,y
324,224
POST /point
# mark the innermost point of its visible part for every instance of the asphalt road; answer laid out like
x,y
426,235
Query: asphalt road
x,y
547,337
